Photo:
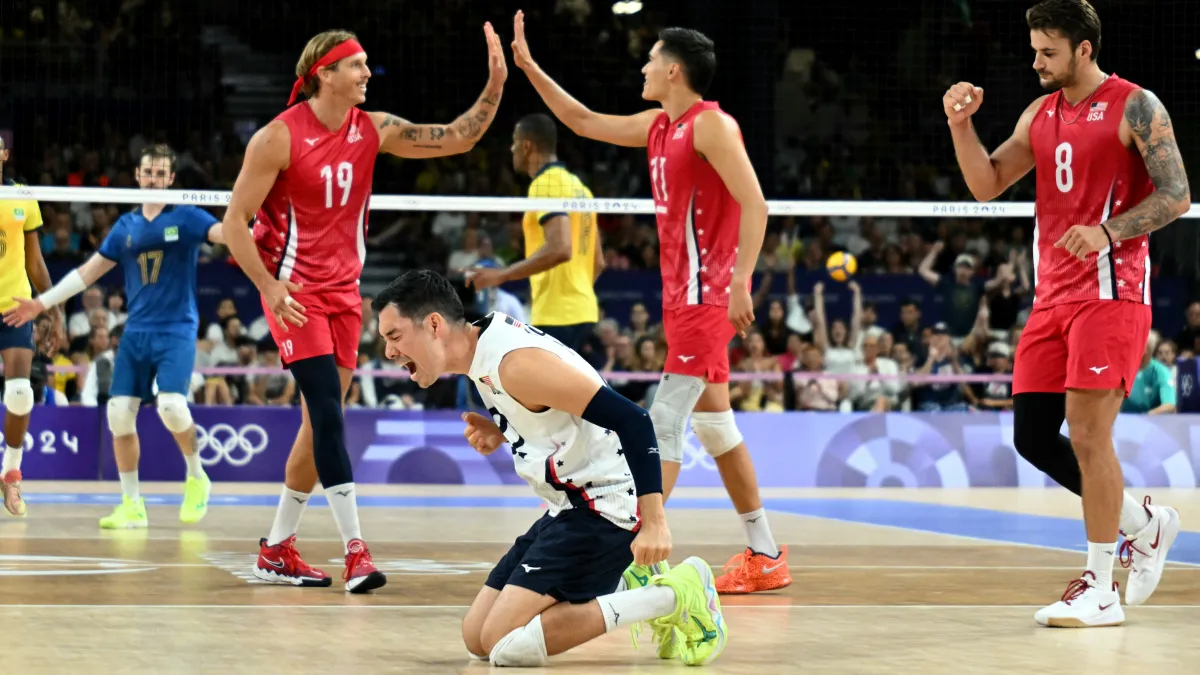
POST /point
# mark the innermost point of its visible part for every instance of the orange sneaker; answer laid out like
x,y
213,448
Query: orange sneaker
x,y
751,572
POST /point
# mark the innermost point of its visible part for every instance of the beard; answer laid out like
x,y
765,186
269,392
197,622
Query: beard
x,y
1067,79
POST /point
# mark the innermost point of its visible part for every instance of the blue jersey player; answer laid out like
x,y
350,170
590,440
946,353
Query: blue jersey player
x,y
157,247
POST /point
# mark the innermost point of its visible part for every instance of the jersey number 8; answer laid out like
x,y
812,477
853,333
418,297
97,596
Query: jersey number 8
x,y
1063,177
345,179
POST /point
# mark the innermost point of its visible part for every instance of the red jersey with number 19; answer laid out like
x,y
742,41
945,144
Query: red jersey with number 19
x,y
698,220
312,227
1085,176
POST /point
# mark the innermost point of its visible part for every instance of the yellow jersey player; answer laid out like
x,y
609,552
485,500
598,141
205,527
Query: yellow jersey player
x,y
562,250
20,262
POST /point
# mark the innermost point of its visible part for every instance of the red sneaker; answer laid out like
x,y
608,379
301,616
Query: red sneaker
x,y
282,564
10,485
361,575
750,572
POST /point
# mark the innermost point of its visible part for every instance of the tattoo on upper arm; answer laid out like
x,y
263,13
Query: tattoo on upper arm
x,y
437,133
1155,139
1151,124
391,121
411,134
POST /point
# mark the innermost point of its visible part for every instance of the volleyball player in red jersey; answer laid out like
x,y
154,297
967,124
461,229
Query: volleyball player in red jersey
x,y
711,220
1108,173
306,183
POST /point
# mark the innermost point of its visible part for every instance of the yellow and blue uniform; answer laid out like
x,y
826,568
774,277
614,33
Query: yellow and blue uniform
x,y
159,259
18,217
563,296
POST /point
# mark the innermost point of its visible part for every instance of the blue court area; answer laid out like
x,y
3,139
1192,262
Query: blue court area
x,y
997,526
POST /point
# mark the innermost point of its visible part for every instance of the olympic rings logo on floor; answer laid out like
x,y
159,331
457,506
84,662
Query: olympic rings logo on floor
x,y
235,446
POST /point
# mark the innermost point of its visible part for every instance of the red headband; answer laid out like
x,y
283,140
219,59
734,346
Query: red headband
x,y
347,48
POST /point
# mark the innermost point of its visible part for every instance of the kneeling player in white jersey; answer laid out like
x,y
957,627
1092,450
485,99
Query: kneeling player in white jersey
x,y
590,454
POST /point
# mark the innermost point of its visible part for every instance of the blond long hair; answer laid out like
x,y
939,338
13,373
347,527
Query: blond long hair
x,y
316,49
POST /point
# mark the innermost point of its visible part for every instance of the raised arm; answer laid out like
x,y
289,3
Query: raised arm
x,y
402,138
987,175
627,130
1147,122
268,153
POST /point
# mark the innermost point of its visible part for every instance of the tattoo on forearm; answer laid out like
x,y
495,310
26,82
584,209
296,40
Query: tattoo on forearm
x,y
437,133
471,124
1155,138
411,133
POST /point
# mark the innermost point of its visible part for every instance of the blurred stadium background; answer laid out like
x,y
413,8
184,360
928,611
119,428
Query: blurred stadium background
x,y
837,102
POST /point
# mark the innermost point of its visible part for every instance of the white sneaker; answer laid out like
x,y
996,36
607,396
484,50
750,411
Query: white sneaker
x,y
1084,605
1144,553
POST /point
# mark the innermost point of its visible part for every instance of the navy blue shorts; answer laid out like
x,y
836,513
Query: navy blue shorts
x,y
12,338
146,358
576,556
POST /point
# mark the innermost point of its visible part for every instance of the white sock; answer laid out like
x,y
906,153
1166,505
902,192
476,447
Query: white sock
x,y
344,504
641,604
129,484
287,515
1133,515
1100,562
758,533
12,459
194,468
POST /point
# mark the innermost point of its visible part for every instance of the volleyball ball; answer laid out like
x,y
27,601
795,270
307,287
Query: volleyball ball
x,y
841,266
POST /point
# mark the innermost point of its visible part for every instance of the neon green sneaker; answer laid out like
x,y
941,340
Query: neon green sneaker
x,y
640,576
700,630
195,499
130,514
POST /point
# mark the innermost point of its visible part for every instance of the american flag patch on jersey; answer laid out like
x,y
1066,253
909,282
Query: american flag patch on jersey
x,y
488,381
1100,106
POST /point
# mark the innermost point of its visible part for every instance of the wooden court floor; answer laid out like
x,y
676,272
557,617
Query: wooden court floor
x,y
866,598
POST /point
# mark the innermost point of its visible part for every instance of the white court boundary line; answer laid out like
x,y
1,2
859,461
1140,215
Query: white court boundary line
x,y
928,568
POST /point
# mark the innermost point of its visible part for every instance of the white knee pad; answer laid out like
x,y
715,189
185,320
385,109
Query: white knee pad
x,y
122,415
676,397
174,412
525,647
18,396
717,432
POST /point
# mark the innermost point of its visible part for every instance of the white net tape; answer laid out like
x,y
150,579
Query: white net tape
x,y
940,209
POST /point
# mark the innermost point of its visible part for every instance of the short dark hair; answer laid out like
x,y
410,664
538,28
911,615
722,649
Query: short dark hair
x,y
158,151
541,129
1074,19
695,52
418,293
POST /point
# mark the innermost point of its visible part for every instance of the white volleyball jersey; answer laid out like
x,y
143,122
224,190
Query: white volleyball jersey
x,y
569,462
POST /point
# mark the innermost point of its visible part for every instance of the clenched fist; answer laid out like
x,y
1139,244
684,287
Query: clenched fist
x,y
961,101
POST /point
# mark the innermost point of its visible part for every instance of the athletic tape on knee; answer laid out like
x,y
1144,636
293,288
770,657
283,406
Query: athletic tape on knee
x,y
174,413
717,432
525,647
122,415
676,397
18,396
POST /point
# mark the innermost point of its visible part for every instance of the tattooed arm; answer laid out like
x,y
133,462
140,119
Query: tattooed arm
x,y
1149,125
404,139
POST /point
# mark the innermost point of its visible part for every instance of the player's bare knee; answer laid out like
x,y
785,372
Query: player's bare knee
x,y
18,396
717,432
174,412
673,404
473,639
122,415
